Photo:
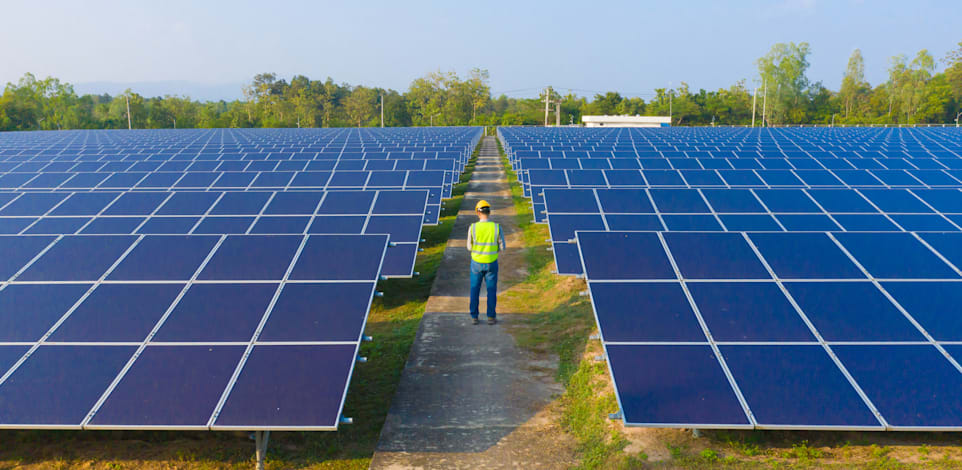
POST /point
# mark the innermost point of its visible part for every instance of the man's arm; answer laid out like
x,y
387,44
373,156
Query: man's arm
x,y
504,245
470,236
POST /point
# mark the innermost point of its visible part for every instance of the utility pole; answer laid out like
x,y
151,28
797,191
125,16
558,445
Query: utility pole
x,y
127,99
764,103
557,113
382,110
957,118
670,92
754,99
547,102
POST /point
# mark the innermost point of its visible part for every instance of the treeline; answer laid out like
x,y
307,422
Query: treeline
x,y
914,93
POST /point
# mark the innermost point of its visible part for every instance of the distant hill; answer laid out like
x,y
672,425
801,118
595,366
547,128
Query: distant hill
x,y
195,90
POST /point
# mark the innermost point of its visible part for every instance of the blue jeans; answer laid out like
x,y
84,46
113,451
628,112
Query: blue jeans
x,y
488,272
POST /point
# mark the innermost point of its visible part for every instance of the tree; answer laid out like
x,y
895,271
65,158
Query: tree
x,y
606,104
907,83
853,83
953,72
118,114
783,70
478,89
359,105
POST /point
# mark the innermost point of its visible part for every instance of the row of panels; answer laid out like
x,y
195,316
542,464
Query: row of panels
x,y
265,161
190,332
106,203
699,178
795,342
771,308
440,182
770,255
530,158
525,164
692,135
707,201
239,303
789,386
780,210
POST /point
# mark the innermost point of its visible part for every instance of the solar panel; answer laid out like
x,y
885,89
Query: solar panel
x,y
795,279
203,279
398,213
143,334
739,210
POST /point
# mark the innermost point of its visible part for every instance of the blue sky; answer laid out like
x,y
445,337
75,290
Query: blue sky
x,y
586,46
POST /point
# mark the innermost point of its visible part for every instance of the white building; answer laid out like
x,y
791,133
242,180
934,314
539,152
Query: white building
x,y
626,121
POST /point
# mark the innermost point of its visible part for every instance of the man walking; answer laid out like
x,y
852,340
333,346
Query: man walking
x,y
485,241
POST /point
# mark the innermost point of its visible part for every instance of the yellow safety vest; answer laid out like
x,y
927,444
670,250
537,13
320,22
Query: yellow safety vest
x,y
484,242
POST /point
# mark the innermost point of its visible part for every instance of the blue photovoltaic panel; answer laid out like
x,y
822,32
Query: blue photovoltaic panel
x,y
870,262
353,255
914,261
852,311
117,313
257,257
164,258
32,396
28,311
748,311
654,387
274,377
347,202
170,190
623,255
805,256
97,328
319,312
935,305
280,225
112,225
56,226
241,203
913,386
665,315
9,355
715,256
78,258
188,203
170,386
16,252
796,386
949,245
217,313
84,204
32,204
563,227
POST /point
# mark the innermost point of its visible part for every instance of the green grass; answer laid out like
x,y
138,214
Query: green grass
x,y
393,324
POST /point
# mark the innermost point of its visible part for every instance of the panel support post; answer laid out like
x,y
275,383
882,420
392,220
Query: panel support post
x,y
260,441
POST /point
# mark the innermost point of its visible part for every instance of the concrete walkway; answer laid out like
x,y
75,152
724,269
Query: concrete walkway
x,y
469,397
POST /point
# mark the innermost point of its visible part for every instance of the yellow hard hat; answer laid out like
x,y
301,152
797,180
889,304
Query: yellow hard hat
x,y
482,204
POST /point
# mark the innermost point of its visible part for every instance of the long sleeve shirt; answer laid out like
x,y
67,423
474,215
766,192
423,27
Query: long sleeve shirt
x,y
501,243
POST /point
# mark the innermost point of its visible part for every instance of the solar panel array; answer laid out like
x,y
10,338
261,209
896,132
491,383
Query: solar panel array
x,y
773,306
203,279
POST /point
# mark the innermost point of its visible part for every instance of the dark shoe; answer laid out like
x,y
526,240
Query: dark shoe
x,y
492,321
475,321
